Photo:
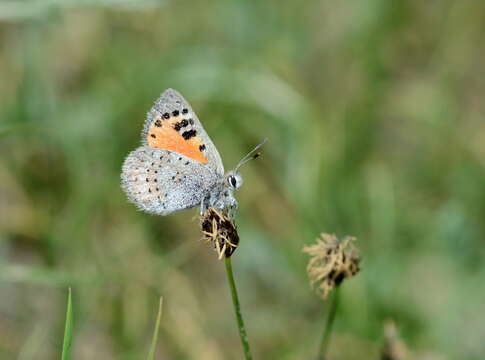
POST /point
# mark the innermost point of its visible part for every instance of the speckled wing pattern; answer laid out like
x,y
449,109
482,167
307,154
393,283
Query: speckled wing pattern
x,y
177,163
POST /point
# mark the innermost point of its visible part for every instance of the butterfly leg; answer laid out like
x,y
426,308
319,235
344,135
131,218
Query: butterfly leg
x,y
205,204
232,211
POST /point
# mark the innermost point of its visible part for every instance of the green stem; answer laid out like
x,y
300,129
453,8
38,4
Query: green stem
x,y
327,330
237,310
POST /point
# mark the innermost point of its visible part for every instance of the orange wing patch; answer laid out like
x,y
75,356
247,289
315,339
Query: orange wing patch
x,y
162,135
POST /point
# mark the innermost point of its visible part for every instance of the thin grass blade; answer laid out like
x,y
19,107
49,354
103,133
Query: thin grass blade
x,y
151,354
66,346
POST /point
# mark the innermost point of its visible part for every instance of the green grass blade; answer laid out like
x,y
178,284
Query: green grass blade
x,y
66,346
151,354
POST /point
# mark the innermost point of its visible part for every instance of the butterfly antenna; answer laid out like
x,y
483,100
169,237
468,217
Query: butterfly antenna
x,y
253,154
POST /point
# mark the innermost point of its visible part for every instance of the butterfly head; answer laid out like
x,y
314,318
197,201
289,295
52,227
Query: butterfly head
x,y
233,179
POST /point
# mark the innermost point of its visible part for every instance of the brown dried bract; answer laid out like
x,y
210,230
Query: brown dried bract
x,y
218,229
331,262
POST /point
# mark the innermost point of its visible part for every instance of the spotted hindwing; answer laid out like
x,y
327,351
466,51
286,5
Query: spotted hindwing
x,y
160,181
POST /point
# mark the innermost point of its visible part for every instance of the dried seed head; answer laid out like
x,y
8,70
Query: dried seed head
x,y
219,230
331,262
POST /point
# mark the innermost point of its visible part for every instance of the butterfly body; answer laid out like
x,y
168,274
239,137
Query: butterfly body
x,y
177,166
220,196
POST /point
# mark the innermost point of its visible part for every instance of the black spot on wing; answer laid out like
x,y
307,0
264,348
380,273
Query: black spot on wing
x,y
189,134
181,124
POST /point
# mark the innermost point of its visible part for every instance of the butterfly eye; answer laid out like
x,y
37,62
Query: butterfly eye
x,y
233,181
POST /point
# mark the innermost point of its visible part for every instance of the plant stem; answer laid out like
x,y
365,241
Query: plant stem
x,y
327,330
237,310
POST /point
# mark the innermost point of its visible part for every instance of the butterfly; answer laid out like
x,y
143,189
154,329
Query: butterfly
x,y
177,166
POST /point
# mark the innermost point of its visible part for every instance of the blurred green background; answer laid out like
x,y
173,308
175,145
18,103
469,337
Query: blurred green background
x,y
375,116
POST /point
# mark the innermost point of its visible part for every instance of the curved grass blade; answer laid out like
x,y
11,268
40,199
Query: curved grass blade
x,y
66,346
151,354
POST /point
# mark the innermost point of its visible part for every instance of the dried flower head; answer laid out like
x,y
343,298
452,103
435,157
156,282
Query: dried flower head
x,y
219,230
394,348
331,262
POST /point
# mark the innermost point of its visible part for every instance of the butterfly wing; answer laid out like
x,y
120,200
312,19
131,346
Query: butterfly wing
x,y
177,163
160,181
172,125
